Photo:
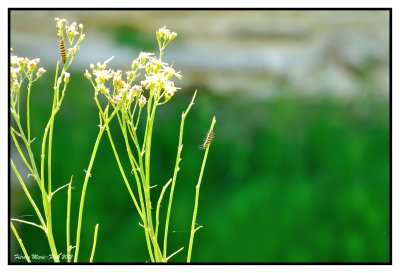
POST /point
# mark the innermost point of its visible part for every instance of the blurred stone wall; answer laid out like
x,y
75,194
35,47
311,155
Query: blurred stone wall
x,y
260,52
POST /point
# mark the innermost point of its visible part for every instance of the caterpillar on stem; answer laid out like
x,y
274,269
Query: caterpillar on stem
x,y
62,51
209,137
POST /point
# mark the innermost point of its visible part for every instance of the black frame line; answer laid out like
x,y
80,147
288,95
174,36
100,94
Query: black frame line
x,y
389,9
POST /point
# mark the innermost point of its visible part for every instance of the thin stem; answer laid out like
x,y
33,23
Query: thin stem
x,y
196,202
124,176
28,194
60,188
176,252
28,111
48,132
21,244
50,235
21,154
133,135
49,148
159,206
147,141
29,150
46,206
94,243
149,109
133,162
50,143
55,108
138,118
140,211
40,181
85,183
178,159
27,222
69,220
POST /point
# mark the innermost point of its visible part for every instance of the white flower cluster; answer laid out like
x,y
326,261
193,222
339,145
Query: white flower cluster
x,y
22,68
120,88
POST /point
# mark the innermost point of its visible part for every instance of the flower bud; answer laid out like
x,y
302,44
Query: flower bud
x,y
66,77
87,74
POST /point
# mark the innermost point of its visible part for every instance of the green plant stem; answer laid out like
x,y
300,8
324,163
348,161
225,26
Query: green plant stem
x,y
173,254
94,243
68,227
132,132
124,176
21,154
50,143
149,232
140,211
47,129
28,149
50,235
157,251
28,111
123,125
85,183
178,159
159,206
28,194
132,160
196,202
21,244
45,197
28,223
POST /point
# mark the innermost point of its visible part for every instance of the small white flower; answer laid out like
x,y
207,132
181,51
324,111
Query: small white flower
x,y
15,70
32,64
40,72
103,89
170,87
117,99
145,55
169,72
14,60
145,84
71,30
136,90
103,75
117,81
142,101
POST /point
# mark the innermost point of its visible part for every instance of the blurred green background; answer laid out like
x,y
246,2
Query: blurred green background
x,y
291,176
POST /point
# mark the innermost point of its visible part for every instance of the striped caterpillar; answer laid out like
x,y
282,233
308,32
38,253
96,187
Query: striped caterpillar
x,y
62,51
207,140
